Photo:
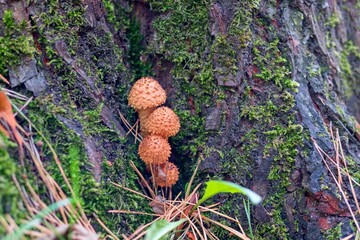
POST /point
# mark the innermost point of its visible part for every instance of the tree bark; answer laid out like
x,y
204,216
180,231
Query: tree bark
x,y
252,81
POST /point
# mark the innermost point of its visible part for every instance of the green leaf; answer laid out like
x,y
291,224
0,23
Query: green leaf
x,y
214,187
160,228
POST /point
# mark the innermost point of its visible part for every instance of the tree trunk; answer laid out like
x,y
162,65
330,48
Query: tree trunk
x,y
253,82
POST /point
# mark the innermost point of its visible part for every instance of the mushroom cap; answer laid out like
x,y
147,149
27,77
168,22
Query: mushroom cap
x,y
154,149
167,175
146,93
162,122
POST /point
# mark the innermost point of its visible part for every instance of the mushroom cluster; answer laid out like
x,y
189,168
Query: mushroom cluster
x,y
157,124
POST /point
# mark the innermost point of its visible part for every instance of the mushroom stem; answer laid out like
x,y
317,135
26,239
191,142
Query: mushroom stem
x,y
143,116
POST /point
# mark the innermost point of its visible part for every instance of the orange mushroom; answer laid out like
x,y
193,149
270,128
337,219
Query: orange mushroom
x,y
145,95
162,122
167,175
154,149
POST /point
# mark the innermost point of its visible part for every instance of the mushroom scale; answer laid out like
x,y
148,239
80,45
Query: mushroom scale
x,y
154,149
163,121
167,175
146,93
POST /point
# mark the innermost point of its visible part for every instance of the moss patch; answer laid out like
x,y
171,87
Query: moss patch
x,y
352,52
101,59
14,44
10,199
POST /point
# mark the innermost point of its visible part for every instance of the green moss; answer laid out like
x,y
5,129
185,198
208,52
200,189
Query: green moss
x,y
277,70
273,123
183,38
225,56
102,60
73,157
286,140
297,18
14,44
10,199
261,112
353,168
350,82
240,26
333,20
236,163
333,233
92,124
139,68
95,197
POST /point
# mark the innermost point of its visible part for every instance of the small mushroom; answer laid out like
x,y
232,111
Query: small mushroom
x,y
145,95
162,122
167,175
154,149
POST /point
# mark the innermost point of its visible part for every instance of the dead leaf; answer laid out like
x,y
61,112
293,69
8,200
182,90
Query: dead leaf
x,y
157,205
9,121
4,79
190,235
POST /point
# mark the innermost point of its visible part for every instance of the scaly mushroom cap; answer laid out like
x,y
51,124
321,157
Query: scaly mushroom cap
x,y
154,150
146,93
167,175
162,122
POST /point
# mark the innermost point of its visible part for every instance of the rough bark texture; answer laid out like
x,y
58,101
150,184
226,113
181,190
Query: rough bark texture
x,y
252,81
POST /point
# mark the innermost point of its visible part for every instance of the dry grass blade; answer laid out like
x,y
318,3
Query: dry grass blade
x,y
152,193
201,222
141,230
55,157
133,191
333,162
25,105
152,175
192,178
125,237
231,230
180,213
340,189
130,128
172,210
238,223
348,237
347,171
22,194
213,235
218,213
9,226
32,200
338,181
14,94
337,160
134,212
105,228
